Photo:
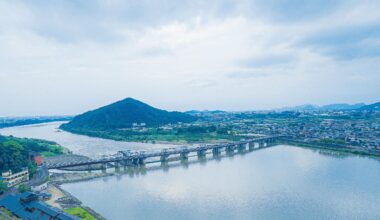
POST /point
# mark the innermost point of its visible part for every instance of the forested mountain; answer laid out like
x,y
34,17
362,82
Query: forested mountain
x,y
124,114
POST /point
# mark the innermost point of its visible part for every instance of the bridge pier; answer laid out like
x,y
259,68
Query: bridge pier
x,y
89,168
216,152
251,146
164,165
128,162
117,167
230,149
261,144
242,147
103,167
164,158
184,156
201,153
185,163
138,161
141,161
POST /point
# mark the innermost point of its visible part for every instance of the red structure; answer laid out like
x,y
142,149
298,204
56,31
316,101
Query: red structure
x,y
38,160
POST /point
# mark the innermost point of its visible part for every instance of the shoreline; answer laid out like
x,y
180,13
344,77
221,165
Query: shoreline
x,y
59,179
63,199
342,149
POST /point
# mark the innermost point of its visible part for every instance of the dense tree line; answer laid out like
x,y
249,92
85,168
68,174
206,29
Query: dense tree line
x,y
14,152
12,122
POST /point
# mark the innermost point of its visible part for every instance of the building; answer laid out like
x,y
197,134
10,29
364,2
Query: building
x,y
28,206
36,158
13,179
38,187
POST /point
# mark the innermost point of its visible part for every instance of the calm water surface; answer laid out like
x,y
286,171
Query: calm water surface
x,y
281,182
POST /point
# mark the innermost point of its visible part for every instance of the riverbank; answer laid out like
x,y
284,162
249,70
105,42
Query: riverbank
x,y
155,136
338,148
62,178
65,201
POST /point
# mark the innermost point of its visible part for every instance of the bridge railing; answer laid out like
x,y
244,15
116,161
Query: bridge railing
x,y
129,154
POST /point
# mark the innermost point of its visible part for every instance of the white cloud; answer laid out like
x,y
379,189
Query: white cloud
x,y
69,59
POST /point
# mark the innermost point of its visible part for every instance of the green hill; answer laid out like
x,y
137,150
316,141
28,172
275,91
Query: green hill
x,y
123,114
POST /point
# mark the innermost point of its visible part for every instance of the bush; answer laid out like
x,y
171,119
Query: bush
x,y
23,188
3,186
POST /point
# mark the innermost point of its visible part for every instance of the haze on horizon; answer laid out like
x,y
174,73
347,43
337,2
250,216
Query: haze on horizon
x,y
67,57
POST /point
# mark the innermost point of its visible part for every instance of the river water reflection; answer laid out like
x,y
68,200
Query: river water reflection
x,y
280,182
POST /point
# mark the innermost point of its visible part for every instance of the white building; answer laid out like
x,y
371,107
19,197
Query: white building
x,y
13,179
39,187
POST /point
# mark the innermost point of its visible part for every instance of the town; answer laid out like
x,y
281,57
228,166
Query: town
x,y
349,130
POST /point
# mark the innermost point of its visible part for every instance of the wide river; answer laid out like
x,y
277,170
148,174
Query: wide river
x,y
281,182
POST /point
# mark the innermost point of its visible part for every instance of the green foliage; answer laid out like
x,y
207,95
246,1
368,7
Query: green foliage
x,y
14,152
32,169
80,213
190,134
18,122
6,214
23,188
3,186
332,141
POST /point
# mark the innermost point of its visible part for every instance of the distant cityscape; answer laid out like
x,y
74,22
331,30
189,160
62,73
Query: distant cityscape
x,y
26,185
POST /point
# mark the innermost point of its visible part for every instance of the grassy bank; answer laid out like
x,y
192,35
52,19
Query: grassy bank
x,y
155,135
80,213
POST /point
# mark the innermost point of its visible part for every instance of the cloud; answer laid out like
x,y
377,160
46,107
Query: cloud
x,y
71,56
347,42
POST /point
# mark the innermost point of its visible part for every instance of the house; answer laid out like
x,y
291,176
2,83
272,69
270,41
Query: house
x,y
40,186
36,158
28,206
13,179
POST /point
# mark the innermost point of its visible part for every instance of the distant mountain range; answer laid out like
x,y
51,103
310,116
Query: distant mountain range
x,y
195,112
331,107
371,107
127,112
124,114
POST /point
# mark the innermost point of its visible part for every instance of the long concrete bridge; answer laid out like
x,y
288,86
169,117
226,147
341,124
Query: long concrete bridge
x,y
130,158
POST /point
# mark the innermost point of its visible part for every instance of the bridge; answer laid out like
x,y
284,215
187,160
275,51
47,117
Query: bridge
x,y
135,158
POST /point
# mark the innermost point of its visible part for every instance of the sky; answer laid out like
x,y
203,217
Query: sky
x,y
67,57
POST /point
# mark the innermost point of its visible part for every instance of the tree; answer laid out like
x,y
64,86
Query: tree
x,y
3,186
23,188
32,169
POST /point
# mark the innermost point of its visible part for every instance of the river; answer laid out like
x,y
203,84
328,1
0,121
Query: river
x,y
280,182
78,144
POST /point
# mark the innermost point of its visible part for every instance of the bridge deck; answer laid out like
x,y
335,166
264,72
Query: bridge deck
x,y
130,157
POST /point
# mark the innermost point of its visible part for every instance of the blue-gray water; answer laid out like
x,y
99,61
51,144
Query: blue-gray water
x,y
78,144
281,182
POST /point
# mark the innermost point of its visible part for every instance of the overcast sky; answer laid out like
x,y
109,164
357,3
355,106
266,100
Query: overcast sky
x,y
67,57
